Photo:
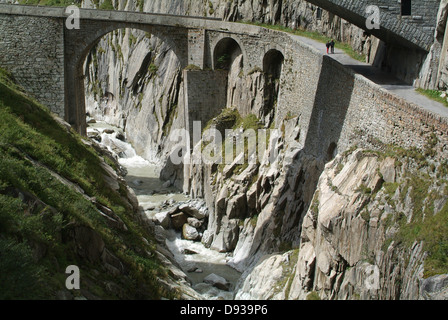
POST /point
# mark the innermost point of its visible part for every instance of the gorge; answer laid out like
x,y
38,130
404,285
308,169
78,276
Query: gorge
x,y
268,216
353,205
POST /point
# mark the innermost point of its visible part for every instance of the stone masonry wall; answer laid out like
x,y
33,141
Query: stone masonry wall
x,y
337,106
32,49
205,95
377,114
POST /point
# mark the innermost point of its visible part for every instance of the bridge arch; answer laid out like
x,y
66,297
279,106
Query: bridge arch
x,y
225,49
273,61
78,45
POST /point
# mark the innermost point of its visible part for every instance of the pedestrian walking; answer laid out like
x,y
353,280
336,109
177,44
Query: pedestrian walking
x,y
332,46
328,46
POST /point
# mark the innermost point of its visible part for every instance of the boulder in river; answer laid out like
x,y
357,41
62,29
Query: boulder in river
x,y
190,233
163,219
195,223
195,270
217,281
194,209
108,131
207,238
178,220
137,182
189,252
95,135
120,136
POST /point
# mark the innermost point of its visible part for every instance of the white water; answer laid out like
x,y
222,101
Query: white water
x,y
143,177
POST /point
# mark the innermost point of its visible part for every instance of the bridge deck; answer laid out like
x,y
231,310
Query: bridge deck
x,y
382,78
130,17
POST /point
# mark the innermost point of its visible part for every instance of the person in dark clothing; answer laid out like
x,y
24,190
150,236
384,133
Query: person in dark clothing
x,y
328,46
332,45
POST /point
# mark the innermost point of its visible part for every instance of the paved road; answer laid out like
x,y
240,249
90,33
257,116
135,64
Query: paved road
x,y
382,78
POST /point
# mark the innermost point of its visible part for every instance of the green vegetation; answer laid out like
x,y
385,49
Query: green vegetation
x,y
119,52
255,70
365,215
314,208
254,220
425,226
211,10
152,70
390,188
339,168
132,39
364,190
140,5
250,122
106,5
313,296
172,114
19,285
288,274
401,154
230,119
40,210
192,67
226,120
312,35
434,95
223,62
423,223
52,3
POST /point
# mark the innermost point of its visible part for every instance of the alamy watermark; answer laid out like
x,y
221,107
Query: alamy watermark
x,y
73,280
73,20
232,146
374,19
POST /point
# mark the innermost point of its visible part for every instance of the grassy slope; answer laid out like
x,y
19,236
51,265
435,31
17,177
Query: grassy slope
x,y
434,95
38,212
105,4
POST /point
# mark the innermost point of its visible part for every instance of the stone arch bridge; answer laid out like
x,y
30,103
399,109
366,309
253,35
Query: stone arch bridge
x,y
329,102
47,58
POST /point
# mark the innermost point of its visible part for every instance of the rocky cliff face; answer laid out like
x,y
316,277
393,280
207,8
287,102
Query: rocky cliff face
x,y
351,229
134,81
362,236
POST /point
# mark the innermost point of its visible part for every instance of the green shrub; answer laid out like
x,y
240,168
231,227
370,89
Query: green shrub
x,y
20,277
313,296
434,95
107,5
